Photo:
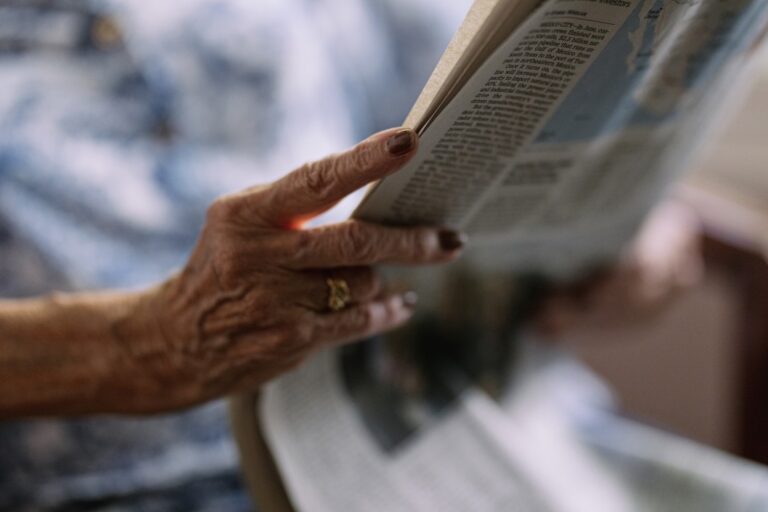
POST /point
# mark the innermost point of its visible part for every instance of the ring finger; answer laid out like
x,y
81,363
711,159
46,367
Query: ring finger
x,y
364,285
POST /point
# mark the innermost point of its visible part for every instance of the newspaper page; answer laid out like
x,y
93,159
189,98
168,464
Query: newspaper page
x,y
350,436
570,131
557,146
665,472
487,24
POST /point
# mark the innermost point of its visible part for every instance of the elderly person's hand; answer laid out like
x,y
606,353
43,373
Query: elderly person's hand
x,y
253,301
664,262
259,294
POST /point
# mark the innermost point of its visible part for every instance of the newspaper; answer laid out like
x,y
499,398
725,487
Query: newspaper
x,y
346,438
564,138
551,152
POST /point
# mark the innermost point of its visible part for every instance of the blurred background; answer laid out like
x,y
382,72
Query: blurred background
x,y
700,368
121,121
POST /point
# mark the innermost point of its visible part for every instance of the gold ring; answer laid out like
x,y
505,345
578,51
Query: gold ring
x,y
338,294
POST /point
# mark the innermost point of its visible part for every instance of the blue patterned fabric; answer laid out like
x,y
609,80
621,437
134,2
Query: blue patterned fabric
x,y
119,122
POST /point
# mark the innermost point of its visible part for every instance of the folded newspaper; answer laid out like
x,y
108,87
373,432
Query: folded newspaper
x,y
548,131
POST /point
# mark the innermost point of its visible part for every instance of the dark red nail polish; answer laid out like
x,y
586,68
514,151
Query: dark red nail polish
x,y
452,240
402,142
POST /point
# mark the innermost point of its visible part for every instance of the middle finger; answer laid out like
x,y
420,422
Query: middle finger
x,y
355,243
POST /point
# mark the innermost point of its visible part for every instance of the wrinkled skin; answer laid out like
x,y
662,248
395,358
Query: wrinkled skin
x,y
251,303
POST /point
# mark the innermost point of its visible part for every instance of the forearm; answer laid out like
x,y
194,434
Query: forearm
x,y
73,354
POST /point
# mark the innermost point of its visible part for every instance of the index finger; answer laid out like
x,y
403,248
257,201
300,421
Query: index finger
x,y
318,186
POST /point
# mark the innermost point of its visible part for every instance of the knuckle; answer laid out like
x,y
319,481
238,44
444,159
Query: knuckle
x,y
357,241
318,178
239,208
303,245
362,158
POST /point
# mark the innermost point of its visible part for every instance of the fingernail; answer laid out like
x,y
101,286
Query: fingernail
x,y
410,299
402,142
452,240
